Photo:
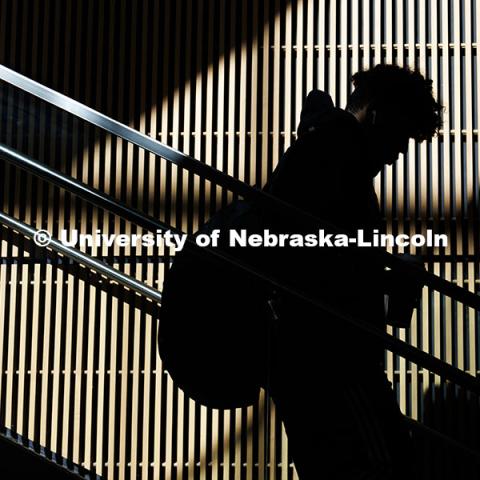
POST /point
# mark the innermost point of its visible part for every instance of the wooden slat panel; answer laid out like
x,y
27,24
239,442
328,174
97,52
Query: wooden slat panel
x,y
206,78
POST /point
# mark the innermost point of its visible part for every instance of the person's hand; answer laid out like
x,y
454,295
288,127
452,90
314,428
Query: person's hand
x,y
404,293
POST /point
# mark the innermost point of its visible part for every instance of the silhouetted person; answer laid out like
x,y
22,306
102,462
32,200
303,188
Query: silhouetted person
x,y
327,378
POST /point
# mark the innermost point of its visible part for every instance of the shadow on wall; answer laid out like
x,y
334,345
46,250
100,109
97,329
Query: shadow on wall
x,y
122,57
134,61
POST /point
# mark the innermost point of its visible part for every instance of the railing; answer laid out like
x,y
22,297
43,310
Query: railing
x,y
221,179
22,458
102,200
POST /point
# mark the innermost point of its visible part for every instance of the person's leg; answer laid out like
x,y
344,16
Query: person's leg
x,y
340,415
381,428
347,431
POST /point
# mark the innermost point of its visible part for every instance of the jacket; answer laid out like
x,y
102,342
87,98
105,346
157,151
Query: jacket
x,y
323,173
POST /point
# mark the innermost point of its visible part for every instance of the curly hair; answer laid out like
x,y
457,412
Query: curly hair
x,y
401,91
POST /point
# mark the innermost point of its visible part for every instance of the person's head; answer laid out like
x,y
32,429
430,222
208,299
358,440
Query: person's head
x,y
393,104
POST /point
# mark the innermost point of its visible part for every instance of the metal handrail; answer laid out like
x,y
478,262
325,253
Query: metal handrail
x,y
84,259
248,192
154,295
150,223
220,178
423,429
34,452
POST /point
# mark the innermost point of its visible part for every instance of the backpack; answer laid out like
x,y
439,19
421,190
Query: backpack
x,y
213,319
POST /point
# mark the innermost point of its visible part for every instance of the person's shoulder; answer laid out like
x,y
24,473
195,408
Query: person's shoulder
x,y
329,149
337,124
335,140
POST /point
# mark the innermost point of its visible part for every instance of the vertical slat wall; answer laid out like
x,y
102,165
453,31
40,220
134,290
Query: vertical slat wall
x,y
224,82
